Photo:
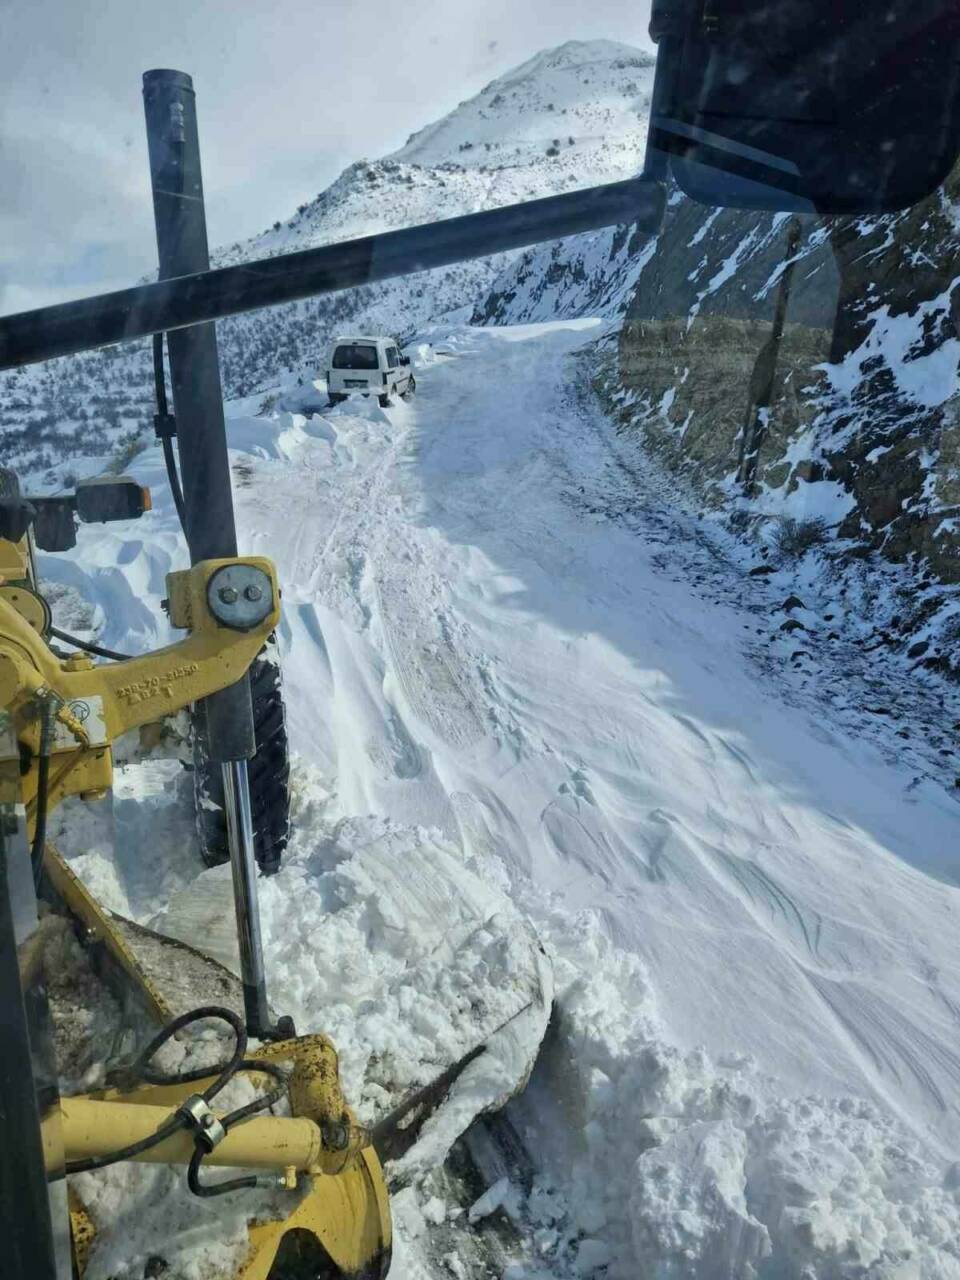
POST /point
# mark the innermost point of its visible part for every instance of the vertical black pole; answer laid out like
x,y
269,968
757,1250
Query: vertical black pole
x,y
194,367
33,1214
667,28
181,224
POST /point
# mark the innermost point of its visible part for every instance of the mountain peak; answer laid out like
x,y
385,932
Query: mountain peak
x,y
574,55
583,90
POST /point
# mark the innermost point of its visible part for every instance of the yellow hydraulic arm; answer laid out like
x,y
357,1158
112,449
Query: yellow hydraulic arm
x,y
318,1154
86,707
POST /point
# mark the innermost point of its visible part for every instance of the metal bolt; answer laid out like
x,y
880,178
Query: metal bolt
x,y
253,592
229,595
336,1135
208,1121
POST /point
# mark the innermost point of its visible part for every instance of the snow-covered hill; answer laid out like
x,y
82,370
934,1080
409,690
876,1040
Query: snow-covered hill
x,y
569,117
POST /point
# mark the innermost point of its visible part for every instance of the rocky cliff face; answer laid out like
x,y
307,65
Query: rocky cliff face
x,y
789,367
807,367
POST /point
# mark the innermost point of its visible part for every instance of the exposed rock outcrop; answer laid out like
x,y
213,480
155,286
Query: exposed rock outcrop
x,y
808,367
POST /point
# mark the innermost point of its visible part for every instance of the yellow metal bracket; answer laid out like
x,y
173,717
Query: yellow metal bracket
x,y
90,705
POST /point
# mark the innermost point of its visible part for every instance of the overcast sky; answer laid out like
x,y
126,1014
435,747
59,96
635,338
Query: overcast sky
x,y
288,94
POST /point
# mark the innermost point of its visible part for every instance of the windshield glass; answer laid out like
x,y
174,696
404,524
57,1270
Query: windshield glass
x,y
562,717
355,356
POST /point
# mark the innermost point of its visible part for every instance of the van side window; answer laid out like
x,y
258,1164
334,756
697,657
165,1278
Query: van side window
x,y
393,357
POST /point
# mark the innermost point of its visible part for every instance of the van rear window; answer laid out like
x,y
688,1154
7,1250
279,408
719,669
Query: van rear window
x,y
354,355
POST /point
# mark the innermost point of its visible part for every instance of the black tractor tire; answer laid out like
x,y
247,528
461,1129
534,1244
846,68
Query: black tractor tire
x,y
269,773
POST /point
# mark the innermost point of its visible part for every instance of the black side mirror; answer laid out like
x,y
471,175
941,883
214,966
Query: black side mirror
x,y
95,501
833,106
16,517
104,498
405,360
54,528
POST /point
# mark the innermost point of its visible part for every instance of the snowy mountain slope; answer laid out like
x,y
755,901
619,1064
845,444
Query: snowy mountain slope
x,y
593,274
491,649
569,117
599,91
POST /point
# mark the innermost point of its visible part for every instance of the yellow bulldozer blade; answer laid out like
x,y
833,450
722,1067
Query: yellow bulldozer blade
x,y
341,1227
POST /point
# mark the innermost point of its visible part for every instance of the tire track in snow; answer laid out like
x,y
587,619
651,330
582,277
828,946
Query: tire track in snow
x,y
370,535
425,663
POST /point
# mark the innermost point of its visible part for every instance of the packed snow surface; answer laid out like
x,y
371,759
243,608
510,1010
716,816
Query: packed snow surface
x,y
750,912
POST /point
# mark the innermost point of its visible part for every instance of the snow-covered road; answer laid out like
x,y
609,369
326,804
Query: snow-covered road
x,y
745,906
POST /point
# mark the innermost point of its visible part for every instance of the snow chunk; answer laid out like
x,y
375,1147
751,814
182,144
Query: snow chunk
x,y
689,1207
381,936
502,1195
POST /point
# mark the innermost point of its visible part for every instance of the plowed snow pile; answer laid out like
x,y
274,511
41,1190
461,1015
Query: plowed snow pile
x,y
517,692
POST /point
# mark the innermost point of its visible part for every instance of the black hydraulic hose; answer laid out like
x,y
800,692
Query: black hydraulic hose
x,y
87,647
166,438
211,1189
169,1127
158,378
174,481
262,1103
43,787
226,1071
173,478
142,1069
244,1183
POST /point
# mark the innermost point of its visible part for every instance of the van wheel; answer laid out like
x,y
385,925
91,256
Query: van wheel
x,y
386,400
411,388
333,399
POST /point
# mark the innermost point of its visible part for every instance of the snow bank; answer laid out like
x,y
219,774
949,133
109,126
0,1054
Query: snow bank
x,y
382,937
694,1169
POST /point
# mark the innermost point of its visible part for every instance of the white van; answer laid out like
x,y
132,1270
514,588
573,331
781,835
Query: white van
x,y
368,366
